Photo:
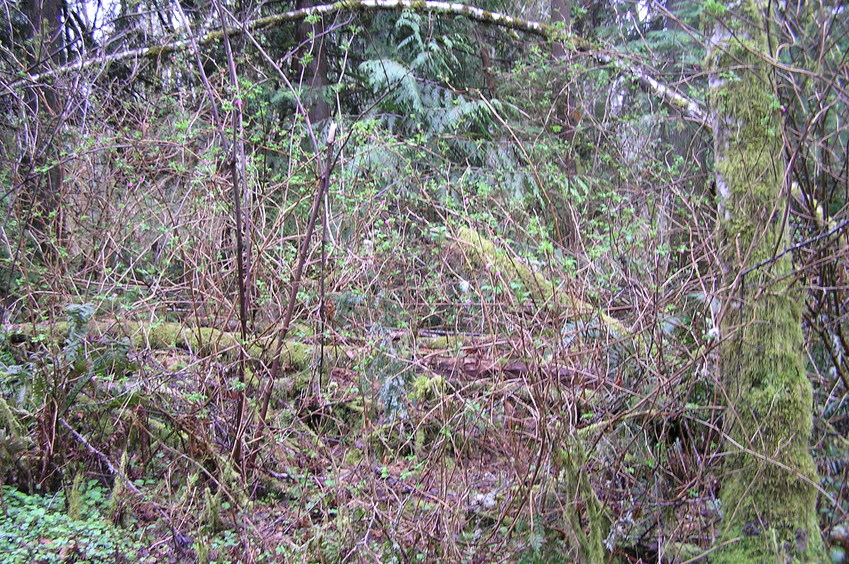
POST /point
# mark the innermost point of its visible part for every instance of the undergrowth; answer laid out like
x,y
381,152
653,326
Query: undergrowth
x,y
502,347
64,527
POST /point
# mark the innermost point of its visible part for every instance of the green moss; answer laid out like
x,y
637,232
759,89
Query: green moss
x,y
294,355
210,517
544,292
8,421
768,489
251,378
289,386
447,342
353,456
591,528
420,441
425,388
161,336
74,497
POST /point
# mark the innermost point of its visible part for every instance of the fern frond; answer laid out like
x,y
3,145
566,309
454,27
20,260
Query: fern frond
x,y
409,22
395,79
462,112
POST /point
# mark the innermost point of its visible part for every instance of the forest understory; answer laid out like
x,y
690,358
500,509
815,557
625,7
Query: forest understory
x,y
414,282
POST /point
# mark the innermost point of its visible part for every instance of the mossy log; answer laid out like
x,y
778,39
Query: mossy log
x,y
295,355
454,356
483,253
474,366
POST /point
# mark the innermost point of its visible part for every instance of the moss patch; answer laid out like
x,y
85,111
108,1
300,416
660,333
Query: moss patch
x,y
768,492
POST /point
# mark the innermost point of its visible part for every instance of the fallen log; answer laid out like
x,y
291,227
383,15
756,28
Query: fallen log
x,y
483,253
203,341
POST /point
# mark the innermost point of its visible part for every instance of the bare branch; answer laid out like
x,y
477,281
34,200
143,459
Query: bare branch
x,y
669,95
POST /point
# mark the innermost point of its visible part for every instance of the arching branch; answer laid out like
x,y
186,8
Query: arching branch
x,y
690,108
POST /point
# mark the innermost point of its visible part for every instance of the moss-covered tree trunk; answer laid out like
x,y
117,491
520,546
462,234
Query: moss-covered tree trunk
x,y
768,491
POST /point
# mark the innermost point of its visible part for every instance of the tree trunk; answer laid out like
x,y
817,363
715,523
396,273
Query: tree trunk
x,y
768,489
40,169
561,13
315,79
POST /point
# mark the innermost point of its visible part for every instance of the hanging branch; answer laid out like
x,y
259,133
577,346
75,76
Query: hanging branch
x,y
690,108
687,106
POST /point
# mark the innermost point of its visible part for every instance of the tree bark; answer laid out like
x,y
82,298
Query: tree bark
x,y
315,79
40,169
561,13
769,486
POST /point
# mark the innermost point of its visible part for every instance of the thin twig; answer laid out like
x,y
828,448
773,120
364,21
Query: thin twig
x,y
180,540
837,228
323,184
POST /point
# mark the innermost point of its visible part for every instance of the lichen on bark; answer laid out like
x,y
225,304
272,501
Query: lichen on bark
x,y
768,489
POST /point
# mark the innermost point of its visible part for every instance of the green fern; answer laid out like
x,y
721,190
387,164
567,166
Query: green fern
x,y
412,91
419,103
393,80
